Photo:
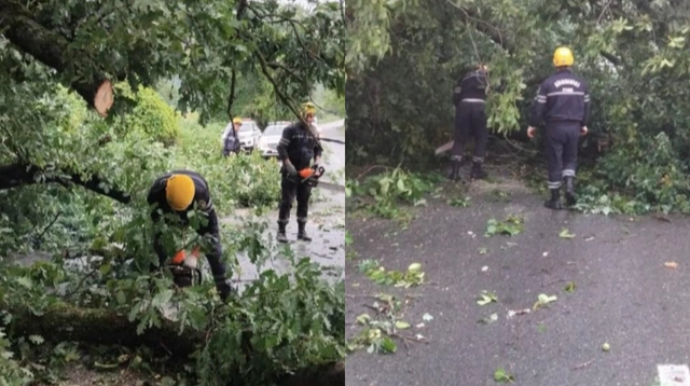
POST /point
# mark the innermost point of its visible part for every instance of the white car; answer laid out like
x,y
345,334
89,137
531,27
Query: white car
x,y
268,143
249,134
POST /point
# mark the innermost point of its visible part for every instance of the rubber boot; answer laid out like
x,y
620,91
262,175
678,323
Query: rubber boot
x,y
282,238
570,196
477,172
455,172
302,233
555,201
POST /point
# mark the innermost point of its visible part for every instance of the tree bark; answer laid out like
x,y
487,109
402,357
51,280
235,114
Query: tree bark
x,y
64,322
18,174
52,49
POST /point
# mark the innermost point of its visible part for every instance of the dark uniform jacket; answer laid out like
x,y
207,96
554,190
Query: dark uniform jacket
x,y
202,202
472,86
299,145
562,97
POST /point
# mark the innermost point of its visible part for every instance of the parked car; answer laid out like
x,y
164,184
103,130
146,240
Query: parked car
x,y
268,143
249,134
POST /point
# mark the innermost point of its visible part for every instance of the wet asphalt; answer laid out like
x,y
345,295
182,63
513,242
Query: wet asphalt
x,y
624,294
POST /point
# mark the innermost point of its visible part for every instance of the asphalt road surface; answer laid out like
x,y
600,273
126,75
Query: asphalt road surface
x,y
624,295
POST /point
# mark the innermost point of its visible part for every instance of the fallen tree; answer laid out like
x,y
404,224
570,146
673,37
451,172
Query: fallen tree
x,y
18,174
64,322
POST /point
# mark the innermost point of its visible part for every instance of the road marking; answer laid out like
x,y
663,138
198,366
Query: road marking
x,y
674,375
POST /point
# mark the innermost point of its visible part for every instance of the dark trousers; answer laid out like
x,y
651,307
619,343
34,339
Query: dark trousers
x,y
213,250
291,187
561,151
470,121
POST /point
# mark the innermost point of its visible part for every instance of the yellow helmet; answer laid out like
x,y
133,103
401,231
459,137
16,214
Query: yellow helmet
x,y
563,57
308,109
237,121
179,191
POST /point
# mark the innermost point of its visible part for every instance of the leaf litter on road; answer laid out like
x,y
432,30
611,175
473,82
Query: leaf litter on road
x,y
501,376
543,300
380,333
570,287
486,297
565,234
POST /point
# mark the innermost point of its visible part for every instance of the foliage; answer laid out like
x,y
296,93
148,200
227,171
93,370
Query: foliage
x,y
511,226
391,188
378,334
295,319
152,116
11,373
379,274
633,54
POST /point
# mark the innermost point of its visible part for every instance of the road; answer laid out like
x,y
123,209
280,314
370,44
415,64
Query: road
x,y
326,223
624,294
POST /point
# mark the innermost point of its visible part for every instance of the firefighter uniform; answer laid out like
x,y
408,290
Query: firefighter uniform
x,y
563,105
469,98
179,192
297,147
229,139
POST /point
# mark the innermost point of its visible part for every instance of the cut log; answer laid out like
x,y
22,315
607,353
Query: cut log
x,y
64,322
445,147
103,100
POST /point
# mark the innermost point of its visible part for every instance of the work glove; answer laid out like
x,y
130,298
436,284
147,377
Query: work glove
x,y
290,169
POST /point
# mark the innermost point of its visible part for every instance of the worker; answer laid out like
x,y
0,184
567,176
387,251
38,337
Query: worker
x,y
229,139
178,193
296,149
563,105
469,98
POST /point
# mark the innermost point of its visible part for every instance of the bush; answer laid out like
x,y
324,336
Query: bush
x,y
152,116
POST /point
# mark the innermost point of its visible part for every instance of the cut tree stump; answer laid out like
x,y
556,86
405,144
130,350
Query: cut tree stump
x,y
64,322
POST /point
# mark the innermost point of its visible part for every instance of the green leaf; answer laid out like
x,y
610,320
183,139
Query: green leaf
x,y
570,287
36,339
565,234
501,376
401,325
486,298
25,282
388,345
363,319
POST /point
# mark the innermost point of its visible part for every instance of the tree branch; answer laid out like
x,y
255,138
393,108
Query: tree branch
x,y
19,174
51,49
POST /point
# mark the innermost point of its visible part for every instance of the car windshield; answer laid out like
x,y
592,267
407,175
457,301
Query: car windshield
x,y
274,130
245,128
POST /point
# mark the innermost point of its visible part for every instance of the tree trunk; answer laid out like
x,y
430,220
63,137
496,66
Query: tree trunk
x,y
52,49
64,322
19,174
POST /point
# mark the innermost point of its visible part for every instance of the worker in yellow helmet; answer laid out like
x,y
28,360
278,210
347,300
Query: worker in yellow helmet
x,y
563,105
297,147
178,193
229,139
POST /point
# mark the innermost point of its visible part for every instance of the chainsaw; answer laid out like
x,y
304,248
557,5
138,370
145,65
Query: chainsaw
x,y
184,268
311,175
